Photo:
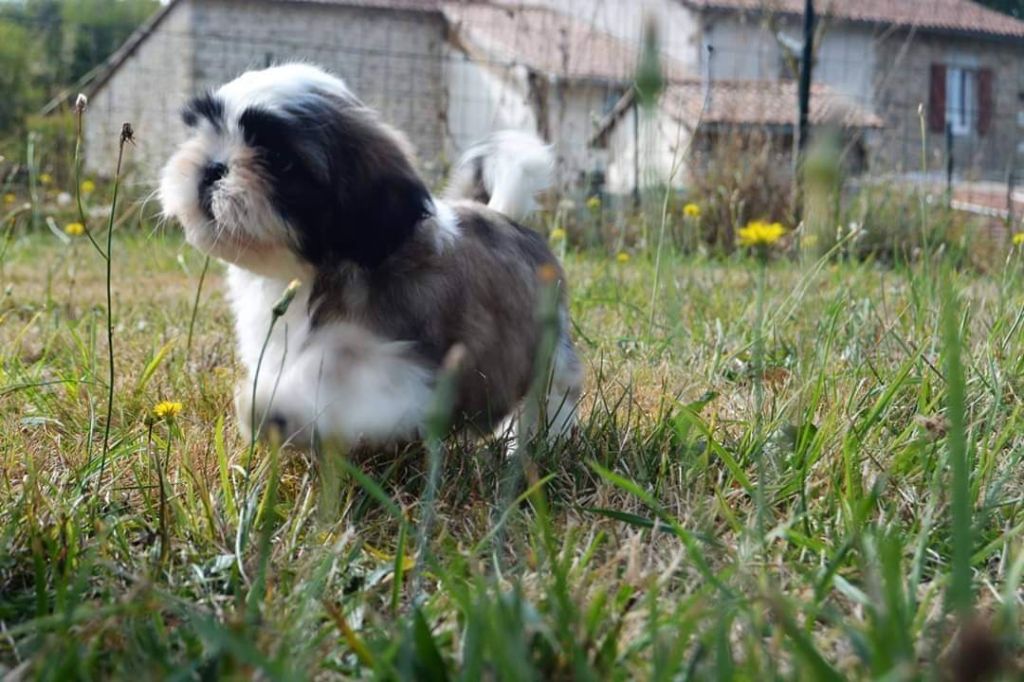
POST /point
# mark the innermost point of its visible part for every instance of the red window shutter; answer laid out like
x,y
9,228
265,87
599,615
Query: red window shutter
x,y
984,101
937,99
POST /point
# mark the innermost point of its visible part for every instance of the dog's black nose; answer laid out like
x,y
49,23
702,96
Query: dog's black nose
x,y
211,174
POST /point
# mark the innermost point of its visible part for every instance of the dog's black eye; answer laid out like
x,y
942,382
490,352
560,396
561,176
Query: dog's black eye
x,y
269,134
278,161
261,128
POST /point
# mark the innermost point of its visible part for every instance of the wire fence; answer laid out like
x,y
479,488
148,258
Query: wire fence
x,y
913,109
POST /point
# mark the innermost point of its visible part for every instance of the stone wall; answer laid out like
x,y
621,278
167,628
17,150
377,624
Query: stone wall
x,y
390,59
678,25
147,90
902,83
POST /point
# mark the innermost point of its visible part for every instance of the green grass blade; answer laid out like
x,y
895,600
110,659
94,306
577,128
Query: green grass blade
x,y
960,594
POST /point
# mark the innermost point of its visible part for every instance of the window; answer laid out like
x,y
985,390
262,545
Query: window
x,y
961,98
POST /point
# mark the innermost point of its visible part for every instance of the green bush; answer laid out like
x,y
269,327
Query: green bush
x,y
55,146
737,177
896,226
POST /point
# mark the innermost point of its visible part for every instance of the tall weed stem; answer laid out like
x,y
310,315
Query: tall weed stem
x,y
127,135
437,424
758,362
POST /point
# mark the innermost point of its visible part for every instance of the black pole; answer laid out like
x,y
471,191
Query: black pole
x,y
1011,172
804,110
806,66
636,152
949,162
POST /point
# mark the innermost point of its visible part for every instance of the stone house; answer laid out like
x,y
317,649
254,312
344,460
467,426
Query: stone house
x,y
445,72
389,51
963,62
535,68
692,116
449,71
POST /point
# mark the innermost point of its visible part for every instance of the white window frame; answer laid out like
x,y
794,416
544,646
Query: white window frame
x,y
961,99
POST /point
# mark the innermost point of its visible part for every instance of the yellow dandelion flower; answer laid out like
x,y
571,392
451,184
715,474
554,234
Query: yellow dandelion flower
x,y
1018,239
760,233
622,257
691,211
167,409
45,178
594,203
74,229
88,187
9,199
557,234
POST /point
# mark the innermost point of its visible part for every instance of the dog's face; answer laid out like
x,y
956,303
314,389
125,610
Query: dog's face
x,y
286,167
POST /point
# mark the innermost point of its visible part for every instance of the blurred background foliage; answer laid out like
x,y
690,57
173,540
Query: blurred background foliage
x,y
47,46
1014,7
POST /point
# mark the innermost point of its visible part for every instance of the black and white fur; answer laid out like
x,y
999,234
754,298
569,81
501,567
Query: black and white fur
x,y
287,175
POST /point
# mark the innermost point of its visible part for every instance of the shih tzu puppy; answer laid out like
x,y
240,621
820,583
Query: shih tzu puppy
x,y
287,175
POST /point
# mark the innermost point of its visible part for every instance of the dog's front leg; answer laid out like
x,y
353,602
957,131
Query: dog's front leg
x,y
347,387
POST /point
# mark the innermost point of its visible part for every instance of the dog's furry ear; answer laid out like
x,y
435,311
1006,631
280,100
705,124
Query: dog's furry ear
x,y
381,196
340,177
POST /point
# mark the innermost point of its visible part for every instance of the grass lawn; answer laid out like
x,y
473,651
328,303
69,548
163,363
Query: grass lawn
x,y
812,472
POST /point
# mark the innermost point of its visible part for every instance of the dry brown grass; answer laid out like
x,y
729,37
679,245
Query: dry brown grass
x,y
642,557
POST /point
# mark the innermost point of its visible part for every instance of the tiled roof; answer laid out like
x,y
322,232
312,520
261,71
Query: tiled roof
x,y
750,103
97,78
939,15
762,103
546,41
420,5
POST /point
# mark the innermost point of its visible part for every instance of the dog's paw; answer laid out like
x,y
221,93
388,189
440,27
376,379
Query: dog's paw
x,y
271,421
275,426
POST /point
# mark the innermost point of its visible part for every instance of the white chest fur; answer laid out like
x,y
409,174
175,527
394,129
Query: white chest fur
x,y
252,299
340,379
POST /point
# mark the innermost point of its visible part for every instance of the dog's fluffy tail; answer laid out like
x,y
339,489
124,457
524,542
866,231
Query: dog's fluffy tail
x,y
504,171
